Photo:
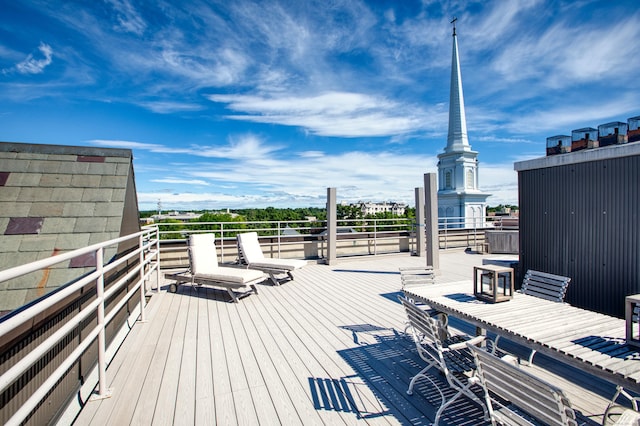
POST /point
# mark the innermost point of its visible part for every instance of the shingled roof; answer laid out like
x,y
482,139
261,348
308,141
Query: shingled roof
x,y
55,199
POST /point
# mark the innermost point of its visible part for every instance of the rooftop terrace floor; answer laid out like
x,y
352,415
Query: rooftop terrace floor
x,y
326,348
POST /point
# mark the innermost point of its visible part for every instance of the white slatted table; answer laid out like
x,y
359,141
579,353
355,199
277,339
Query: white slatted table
x,y
587,340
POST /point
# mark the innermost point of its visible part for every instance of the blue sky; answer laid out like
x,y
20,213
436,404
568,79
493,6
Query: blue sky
x,y
240,103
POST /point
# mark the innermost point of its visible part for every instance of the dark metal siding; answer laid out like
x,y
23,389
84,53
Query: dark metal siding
x,y
581,220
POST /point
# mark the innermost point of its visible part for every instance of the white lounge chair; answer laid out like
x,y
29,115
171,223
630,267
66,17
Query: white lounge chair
x,y
250,254
204,270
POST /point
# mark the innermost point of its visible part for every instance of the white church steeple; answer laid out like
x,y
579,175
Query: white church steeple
x,y
457,137
460,201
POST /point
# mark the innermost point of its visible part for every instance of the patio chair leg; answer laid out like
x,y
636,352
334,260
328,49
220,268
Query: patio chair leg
x,y
290,275
530,360
466,391
415,378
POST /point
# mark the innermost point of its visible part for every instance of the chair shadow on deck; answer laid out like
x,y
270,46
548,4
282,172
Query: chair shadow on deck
x,y
385,360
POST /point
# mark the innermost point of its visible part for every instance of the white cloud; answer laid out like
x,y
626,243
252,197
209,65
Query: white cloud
x,y
567,54
335,113
129,20
168,107
243,147
181,181
32,65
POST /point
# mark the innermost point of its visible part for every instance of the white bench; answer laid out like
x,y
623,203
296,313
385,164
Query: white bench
x,y
545,285
416,276
530,400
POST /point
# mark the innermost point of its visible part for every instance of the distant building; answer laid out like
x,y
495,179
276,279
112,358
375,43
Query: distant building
x,y
459,196
177,216
373,208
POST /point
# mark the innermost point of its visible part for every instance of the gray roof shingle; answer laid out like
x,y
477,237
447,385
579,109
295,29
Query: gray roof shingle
x,y
79,194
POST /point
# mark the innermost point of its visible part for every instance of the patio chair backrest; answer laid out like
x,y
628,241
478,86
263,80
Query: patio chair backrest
x,y
537,398
203,258
422,324
426,334
250,247
545,285
416,276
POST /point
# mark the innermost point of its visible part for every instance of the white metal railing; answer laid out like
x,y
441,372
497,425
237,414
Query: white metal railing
x,y
286,233
453,232
148,256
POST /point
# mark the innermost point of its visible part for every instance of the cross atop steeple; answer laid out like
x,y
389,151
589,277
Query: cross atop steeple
x,y
454,25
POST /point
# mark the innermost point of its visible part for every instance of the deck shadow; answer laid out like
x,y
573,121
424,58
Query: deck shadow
x,y
393,296
387,366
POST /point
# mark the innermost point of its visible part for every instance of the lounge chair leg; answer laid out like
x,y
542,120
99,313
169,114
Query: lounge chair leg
x,y
254,288
290,275
273,279
233,295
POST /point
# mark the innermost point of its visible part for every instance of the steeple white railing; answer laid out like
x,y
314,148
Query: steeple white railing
x,y
145,256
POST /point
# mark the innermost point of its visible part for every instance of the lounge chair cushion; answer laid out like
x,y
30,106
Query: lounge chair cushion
x,y
234,275
202,254
254,257
284,264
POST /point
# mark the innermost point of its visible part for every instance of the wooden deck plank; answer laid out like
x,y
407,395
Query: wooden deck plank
x,y
164,413
205,406
150,388
224,405
239,368
186,395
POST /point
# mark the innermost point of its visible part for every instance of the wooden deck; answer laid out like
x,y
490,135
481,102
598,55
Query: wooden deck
x,y
326,348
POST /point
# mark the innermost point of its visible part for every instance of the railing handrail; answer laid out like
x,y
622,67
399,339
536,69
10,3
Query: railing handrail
x,y
27,268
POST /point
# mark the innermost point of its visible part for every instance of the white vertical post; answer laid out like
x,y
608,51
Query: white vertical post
x,y
420,232
222,242
279,232
143,283
431,219
103,391
157,260
332,212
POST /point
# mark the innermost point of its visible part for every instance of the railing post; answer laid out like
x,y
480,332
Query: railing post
x,y
103,391
158,260
278,239
375,236
222,241
143,282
